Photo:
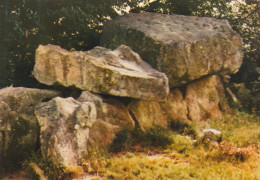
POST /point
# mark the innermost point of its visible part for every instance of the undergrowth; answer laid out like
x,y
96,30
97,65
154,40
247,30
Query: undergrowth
x,y
239,128
178,154
51,169
127,139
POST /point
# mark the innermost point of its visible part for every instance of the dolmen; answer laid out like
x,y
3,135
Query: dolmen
x,y
150,71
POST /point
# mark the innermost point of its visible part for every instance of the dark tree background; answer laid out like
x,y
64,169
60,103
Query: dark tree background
x,y
77,24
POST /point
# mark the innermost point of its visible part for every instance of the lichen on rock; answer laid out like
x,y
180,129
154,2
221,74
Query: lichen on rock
x,y
71,128
198,101
119,73
185,48
18,123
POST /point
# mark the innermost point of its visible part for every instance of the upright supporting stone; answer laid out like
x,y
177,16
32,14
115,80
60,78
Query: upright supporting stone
x,y
18,123
71,128
198,101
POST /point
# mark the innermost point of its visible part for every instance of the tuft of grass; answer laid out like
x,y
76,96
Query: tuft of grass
x,y
239,128
96,161
185,129
51,169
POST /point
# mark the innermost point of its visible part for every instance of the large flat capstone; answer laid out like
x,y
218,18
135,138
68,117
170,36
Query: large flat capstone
x,y
184,47
120,72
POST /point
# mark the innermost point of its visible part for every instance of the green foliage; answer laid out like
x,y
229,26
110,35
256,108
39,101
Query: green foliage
x,y
244,18
184,7
95,161
256,83
185,129
28,23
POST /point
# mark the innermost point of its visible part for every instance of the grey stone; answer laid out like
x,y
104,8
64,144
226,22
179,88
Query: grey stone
x,y
18,124
71,128
211,134
185,48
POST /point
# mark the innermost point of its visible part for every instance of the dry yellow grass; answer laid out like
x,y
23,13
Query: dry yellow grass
x,y
171,155
237,157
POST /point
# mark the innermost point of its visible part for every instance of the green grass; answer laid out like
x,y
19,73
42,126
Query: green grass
x,y
51,169
191,167
177,154
239,128
180,157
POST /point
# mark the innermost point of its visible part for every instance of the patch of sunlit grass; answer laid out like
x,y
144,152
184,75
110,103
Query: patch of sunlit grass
x,y
181,154
237,157
239,128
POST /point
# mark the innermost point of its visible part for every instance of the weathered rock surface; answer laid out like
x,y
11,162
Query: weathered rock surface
x,y
177,107
149,114
120,72
206,99
70,128
184,47
211,134
18,123
152,114
198,101
112,116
